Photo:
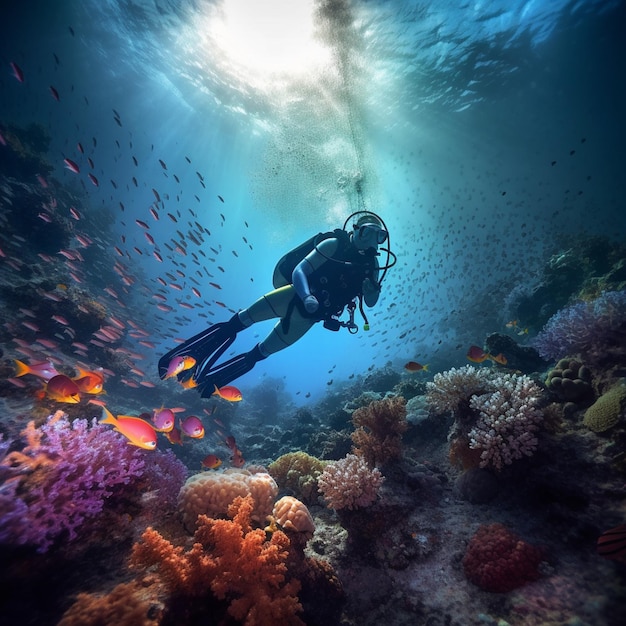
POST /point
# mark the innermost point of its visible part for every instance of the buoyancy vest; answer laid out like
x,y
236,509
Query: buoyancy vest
x,y
339,280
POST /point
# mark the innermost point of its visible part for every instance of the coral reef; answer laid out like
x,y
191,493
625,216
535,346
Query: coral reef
x,y
292,514
497,560
595,330
232,561
212,493
298,472
350,483
123,606
507,419
607,410
523,358
63,477
570,381
496,415
379,428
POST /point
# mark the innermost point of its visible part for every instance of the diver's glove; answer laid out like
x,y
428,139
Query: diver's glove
x,y
311,304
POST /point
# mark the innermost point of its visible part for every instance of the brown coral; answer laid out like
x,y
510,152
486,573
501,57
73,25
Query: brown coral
x,y
379,428
124,606
298,472
233,562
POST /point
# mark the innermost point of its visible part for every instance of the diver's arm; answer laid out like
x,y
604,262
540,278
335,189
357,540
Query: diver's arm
x,y
315,259
371,288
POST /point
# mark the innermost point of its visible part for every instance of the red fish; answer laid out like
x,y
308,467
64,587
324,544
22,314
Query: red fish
x,y
612,544
89,381
174,437
413,366
478,355
62,388
229,393
17,71
210,462
72,166
138,432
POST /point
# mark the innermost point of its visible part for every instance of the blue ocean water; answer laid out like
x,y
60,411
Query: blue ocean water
x,y
482,132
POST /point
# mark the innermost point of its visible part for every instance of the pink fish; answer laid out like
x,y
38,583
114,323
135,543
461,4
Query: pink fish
x,y
93,179
178,364
55,93
17,71
192,427
44,370
72,166
163,420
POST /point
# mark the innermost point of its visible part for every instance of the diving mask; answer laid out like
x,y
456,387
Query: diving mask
x,y
374,231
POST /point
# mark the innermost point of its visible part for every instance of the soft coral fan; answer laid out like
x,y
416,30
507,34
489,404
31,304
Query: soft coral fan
x,y
507,420
62,478
590,329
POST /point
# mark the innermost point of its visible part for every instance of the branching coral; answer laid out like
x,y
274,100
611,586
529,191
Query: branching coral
x,y
593,330
379,428
233,562
495,414
496,560
350,483
65,475
507,420
450,391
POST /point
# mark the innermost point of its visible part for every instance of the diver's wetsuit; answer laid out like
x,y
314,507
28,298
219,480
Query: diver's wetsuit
x,y
339,270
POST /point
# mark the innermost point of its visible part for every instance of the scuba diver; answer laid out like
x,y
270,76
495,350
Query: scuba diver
x,y
313,283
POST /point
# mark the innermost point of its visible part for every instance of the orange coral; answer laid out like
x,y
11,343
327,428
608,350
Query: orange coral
x,y
379,428
124,606
235,562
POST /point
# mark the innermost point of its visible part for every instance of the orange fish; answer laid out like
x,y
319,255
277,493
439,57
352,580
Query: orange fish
x,y
211,462
612,544
89,382
138,432
237,459
413,366
229,393
478,355
62,388
44,370
188,383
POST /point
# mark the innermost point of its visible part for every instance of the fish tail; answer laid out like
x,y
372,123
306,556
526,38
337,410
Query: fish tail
x,y
425,368
22,368
108,417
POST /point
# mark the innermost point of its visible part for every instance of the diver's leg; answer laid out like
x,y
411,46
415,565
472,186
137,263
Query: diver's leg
x,y
272,304
286,333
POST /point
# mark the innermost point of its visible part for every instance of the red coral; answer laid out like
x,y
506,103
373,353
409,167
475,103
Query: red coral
x,y
499,561
231,560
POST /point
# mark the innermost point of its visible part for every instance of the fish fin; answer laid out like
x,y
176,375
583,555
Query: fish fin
x,y
109,418
22,368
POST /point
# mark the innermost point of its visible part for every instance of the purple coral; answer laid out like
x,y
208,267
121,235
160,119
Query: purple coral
x,y
349,483
62,478
586,328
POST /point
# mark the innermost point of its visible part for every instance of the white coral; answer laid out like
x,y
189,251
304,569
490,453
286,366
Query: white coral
x,y
450,389
507,420
349,483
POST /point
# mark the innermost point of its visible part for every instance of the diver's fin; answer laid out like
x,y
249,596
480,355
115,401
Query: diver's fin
x,y
228,371
205,347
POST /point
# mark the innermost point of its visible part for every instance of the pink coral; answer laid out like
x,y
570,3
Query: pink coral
x,y
497,560
349,483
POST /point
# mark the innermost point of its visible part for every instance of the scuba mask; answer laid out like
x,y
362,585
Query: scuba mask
x,y
368,230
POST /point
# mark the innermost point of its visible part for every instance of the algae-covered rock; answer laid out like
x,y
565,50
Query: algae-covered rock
x,y
606,411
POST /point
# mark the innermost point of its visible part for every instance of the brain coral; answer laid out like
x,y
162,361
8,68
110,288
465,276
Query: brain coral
x,y
496,560
605,412
298,472
292,514
212,493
